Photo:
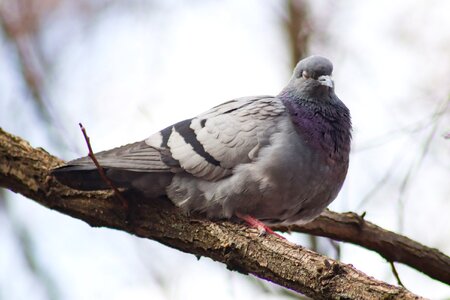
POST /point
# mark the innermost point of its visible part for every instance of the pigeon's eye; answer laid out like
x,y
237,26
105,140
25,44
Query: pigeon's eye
x,y
305,75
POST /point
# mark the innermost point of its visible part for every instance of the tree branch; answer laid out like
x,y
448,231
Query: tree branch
x,y
350,227
25,170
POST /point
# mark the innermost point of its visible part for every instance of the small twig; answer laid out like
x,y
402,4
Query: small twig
x,y
363,215
415,166
337,247
394,271
101,171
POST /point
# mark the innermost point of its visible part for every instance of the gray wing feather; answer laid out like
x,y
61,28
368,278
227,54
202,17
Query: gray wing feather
x,y
222,138
139,157
235,137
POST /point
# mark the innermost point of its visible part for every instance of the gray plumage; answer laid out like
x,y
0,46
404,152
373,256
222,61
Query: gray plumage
x,y
279,159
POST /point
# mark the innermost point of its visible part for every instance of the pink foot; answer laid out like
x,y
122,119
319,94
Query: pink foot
x,y
262,228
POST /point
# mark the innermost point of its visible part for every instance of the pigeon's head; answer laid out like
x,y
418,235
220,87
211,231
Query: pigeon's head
x,y
315,70
311,78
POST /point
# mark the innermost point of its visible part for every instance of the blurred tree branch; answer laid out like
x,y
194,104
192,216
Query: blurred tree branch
x,y
24,169
23,24
20,20
25,248
298,29
352,228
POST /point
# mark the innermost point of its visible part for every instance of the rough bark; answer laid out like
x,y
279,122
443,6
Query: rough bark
x,y
352,228
24,169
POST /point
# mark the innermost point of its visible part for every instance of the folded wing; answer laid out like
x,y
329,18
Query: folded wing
x,y
207,147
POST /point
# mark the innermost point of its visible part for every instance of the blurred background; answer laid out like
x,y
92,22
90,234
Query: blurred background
x,y
126,69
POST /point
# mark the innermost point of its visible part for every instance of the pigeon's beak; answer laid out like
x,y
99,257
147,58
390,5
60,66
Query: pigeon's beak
x,y
326,80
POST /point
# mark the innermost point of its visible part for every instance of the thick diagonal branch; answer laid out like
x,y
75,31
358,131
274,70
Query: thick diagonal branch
x,y
24,169
350,227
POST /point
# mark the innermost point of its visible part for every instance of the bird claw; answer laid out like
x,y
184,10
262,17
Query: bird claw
x,y
262,228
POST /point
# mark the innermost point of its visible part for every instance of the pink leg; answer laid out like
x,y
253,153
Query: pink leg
x,y
262,228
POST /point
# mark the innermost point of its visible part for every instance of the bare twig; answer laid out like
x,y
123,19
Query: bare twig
x,y
101,171
412,171
378,185
393,135
394,271
337,248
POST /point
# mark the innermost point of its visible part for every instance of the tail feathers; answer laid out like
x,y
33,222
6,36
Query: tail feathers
x,y
87,178
83,178
135,165
138,157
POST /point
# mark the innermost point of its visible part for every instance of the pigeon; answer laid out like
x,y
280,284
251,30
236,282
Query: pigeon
x,y
264,159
